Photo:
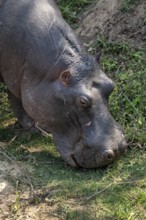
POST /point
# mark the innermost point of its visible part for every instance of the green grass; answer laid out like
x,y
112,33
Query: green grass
x,y
127,5
117,192
5,112
71,9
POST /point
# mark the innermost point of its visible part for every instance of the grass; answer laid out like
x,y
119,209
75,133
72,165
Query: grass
x,y
71,9
127,5
117,192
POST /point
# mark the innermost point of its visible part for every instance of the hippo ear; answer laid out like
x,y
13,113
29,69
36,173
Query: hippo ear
x,y
98,56
65,77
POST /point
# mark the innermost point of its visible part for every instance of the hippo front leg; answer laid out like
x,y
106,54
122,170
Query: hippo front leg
x,y
24,119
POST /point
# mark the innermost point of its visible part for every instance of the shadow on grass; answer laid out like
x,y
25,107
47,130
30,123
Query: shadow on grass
x,y
50,170
74,191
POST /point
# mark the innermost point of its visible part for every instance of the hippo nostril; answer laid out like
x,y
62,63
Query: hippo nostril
x,y
108,155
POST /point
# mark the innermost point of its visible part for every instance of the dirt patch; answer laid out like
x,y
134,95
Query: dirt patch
x,y
106,18
6,188
19,201
10,175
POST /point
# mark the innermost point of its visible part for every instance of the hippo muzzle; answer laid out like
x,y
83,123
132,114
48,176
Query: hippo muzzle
x,y
94,156
101,142
99,154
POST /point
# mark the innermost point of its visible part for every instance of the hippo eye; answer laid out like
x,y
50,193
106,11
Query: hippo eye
x,y
84,102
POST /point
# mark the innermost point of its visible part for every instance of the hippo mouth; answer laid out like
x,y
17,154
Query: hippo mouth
x,y
91,162
83,164
77,164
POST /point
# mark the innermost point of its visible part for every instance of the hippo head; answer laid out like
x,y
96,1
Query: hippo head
x,y
74,109
84,131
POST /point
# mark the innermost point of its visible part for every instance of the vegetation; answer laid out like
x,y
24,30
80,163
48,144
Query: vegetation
x,y
70,9
117,192
127,5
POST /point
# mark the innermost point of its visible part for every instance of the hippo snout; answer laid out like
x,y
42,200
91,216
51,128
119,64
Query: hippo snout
x,y
98,155
93,155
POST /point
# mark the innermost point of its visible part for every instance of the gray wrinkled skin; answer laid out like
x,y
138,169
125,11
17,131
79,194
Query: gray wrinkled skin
x,y
54,82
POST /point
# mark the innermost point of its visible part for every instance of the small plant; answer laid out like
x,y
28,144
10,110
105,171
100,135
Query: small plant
x,y
16,205
127,4
70,9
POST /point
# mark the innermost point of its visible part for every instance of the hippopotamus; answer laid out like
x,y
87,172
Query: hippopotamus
x,y
53,82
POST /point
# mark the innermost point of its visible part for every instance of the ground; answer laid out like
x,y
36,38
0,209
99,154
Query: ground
x,y
116,21
35,184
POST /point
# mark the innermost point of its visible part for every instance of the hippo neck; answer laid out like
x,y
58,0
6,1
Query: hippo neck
x,y
72,50
70,39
